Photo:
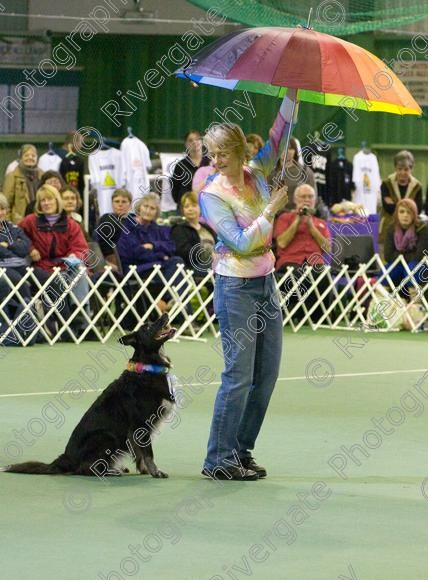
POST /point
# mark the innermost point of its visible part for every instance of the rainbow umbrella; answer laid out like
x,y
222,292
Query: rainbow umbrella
x,y
300,64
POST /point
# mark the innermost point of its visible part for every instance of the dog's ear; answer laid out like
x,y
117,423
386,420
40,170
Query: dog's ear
x,y
128,339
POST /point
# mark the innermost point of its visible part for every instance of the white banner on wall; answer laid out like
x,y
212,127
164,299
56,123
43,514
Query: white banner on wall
x,y
415,77
23,51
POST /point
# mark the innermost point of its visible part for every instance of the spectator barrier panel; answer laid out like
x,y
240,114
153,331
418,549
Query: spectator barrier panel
x,y
340,299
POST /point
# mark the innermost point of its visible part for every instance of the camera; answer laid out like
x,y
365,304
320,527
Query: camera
x,y
304,211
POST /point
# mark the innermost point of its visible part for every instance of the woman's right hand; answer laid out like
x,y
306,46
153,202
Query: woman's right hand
x,y
278,198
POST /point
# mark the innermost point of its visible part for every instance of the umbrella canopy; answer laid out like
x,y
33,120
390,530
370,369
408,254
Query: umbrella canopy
x,y
324,69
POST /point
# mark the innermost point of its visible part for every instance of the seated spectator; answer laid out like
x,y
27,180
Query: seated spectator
x,y
148,244
21,184
194,241
110,226
301,240
254,144
399,185
51,178
56,241
408,237
14,253
72,202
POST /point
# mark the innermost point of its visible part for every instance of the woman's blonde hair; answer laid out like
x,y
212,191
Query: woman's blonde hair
x,y
148,197
226,136
47,192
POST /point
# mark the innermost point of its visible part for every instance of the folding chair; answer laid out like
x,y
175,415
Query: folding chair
x,y
354,251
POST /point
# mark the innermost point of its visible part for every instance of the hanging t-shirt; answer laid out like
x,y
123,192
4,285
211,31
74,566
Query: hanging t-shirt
x,y
163,185
340,185
49,162
72,169
366,177
11,167
319,161
136,163
105,167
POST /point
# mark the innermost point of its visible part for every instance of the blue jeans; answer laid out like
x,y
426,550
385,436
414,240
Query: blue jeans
x,y
250,321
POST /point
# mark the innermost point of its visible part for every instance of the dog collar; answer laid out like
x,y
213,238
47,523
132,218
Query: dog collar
x,y
140,368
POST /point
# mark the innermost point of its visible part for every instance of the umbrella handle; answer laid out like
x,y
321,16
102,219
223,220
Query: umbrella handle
x,y
289,109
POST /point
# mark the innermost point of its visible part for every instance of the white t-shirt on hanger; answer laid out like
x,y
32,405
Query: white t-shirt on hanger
x,y
136,165
105,168
49,162
366,177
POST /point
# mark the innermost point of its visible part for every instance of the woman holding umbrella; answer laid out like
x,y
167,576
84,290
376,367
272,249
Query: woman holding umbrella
x,y
305,65
237,205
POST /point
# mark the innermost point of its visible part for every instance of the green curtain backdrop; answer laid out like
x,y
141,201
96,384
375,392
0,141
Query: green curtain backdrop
x,y
344,18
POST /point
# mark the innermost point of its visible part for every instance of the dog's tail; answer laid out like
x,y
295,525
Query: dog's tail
x,y
61,465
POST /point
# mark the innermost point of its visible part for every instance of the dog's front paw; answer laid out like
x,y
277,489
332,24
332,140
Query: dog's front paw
x,y
160,474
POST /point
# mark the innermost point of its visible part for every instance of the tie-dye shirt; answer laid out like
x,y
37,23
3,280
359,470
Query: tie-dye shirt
x,y
244,234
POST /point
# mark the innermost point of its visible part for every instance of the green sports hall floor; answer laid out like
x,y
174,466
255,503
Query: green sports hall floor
x,y
372,525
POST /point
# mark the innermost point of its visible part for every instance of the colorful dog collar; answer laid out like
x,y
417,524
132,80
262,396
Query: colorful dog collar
x,y
138,367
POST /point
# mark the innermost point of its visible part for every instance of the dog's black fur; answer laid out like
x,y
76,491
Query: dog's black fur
x,y
125,406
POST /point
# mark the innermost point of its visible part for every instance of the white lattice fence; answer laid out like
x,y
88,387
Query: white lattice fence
x,y
321,299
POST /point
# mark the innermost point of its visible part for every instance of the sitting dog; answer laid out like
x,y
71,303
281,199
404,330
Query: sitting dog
x,y
122,419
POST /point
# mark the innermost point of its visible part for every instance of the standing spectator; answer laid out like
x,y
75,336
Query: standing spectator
x,y
406,236
72,167
295,174
72,141
301,240
14,253
185,169
201,176
399,185
21,184
194,241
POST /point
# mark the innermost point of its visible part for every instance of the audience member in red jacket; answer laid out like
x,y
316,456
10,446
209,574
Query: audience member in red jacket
x,y
56,241
302,239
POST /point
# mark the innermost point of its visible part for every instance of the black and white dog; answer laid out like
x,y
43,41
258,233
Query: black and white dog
x,y
123,417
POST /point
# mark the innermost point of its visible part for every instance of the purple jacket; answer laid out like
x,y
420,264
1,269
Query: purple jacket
x,y
131,251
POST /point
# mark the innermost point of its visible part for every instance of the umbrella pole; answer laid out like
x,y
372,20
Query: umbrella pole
x,y
290,106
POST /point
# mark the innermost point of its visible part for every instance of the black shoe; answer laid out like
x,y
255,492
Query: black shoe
x,y
249,463
230,473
